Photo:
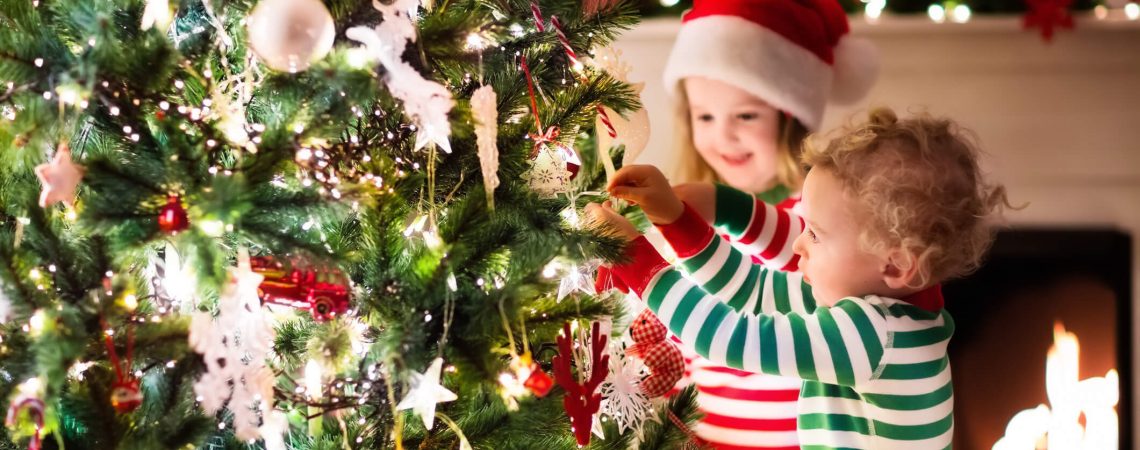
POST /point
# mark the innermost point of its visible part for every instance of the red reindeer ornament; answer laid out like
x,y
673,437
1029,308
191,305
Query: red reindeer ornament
x,y
651,344
581,402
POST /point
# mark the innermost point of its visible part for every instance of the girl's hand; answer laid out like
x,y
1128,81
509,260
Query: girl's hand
x,y
699,196
647,187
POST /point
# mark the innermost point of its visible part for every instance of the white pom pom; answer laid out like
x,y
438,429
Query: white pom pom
x,y
856,68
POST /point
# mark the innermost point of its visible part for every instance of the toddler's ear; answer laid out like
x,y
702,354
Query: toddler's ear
x,y
900,269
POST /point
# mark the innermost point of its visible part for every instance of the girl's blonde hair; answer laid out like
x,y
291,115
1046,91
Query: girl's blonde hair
x,y
691,167
919,188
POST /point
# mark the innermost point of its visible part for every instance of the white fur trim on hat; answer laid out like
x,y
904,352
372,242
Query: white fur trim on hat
x,y
856,67
740,52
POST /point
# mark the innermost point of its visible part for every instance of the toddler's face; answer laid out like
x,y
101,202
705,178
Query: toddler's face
x,y
831,259
734,132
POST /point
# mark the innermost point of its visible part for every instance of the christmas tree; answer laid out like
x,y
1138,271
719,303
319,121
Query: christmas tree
x,y
305,225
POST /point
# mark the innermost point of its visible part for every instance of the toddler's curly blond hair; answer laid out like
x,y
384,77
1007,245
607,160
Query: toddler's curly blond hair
x,y
919,189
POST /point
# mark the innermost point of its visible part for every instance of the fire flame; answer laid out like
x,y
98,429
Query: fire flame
x,y
1059,427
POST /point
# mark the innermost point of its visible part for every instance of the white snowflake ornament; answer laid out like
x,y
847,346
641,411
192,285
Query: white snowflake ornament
x,y
234,346
622,399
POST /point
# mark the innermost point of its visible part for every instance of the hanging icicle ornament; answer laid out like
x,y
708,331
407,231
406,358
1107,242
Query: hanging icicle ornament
x,y
484,109
172,218
290,35
125,393
427,101
581,401
60,178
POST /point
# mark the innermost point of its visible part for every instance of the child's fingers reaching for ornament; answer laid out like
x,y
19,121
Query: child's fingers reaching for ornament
x,y
647,187
604,216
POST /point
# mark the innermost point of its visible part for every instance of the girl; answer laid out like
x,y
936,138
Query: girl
x,y
750,79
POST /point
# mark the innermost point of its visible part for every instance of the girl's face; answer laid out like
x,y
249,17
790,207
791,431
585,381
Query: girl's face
x,y
735,132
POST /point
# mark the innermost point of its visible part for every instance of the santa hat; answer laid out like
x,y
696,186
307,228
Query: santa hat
x,y
797,55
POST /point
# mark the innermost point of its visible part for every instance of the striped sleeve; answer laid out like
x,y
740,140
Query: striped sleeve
x,y
726,273
842,345
764,230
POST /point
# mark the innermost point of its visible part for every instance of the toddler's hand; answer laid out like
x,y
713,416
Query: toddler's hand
x,y
699,196
606,216
648,188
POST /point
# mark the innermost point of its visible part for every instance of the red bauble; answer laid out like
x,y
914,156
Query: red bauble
x,y
324,292
126,396
539,382
160,114
172,217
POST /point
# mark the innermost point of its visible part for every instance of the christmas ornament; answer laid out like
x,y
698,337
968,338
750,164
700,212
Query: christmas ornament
x,y
60,178
575,64
424,392
156,14
663,359
125,394
539,382
234,346
631,131
526,376
591,8
485,110
324,292
552,166
1048,14
172,218
5,306
547,175
581,402
577,278
534,379
622,398
28,398
428,102
289,35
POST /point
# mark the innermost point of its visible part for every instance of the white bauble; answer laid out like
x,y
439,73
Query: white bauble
x,y
289,35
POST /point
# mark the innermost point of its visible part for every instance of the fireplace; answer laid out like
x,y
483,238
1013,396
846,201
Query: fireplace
x,y
1007,315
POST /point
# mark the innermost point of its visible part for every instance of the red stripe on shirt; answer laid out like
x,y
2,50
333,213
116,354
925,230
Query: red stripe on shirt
x,y
754,395
738,423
